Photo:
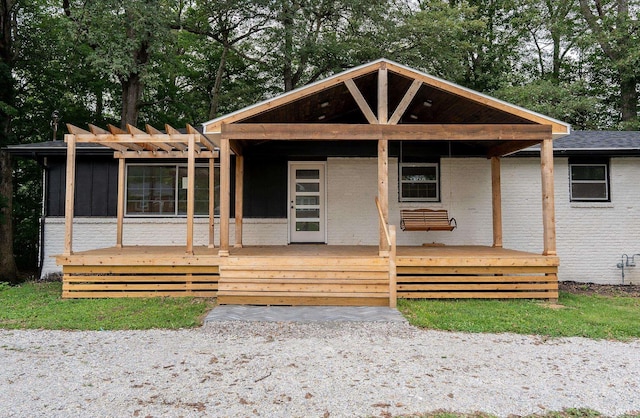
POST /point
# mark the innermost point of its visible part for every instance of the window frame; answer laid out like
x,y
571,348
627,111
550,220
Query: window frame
x,y
176,203
402,198
600,163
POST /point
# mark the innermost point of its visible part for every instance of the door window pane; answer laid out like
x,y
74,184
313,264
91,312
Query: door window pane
x,y
307,187
308,226
307,213
307,200
308,174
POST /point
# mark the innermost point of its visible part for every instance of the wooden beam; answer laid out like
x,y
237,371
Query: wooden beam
x,y
383,94
383,192
360,101
201,138
236,147
121,201
548,205
81,132
225,195
393,287
405,102
510,147
173,131
496,202
146,145
212,201
417,132
239,199
162,155
191,191
153,131
114,130
70,193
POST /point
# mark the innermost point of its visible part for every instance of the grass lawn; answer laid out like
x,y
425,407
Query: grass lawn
x,y
591,316
39,306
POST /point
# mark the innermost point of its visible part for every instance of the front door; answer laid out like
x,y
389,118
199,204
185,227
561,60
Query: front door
x,y
306,202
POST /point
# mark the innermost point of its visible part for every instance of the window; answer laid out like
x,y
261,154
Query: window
x,y
161,190
589,181
419,182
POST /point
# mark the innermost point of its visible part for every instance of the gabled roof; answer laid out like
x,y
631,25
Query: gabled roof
x,y
436,101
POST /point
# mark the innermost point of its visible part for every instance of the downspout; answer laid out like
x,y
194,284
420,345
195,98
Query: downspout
x,y
41,241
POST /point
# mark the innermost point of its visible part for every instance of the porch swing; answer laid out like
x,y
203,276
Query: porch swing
x,y
424,219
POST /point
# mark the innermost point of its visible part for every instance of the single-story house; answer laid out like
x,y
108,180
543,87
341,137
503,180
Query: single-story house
x,y
301,199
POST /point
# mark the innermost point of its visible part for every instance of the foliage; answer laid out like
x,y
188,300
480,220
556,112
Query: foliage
x,y
39,306
578,315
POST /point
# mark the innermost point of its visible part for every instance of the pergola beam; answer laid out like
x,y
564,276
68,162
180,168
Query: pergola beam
x,y
370,132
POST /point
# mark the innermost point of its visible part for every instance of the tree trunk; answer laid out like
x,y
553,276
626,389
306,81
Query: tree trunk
x,y
214,101
8,270
628,97
287,70
131,95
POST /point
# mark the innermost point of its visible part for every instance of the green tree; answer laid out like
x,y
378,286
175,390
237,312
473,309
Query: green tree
x,y
8,10
614,26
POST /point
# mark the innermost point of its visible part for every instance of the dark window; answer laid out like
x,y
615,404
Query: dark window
x,y
161,190
589,181
419,182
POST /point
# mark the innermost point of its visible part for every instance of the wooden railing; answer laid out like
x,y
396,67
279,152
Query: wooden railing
x,y
390,235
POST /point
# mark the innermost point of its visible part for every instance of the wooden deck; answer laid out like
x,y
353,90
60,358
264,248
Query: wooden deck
x,y
309,274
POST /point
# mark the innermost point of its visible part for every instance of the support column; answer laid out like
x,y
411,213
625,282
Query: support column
x,y
239,199
70,193
225,196
191,191
120,209
383,157
212,201
496,202
548,205
383,191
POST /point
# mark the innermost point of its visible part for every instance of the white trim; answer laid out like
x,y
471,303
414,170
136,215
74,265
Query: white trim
x,y
323,197
607,197
403,199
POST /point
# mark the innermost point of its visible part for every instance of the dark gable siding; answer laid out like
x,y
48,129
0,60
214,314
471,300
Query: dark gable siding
x,y
96,186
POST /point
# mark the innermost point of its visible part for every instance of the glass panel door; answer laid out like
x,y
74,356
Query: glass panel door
x,y
306,218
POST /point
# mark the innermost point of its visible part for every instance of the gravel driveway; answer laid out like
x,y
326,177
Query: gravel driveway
x,y
327,369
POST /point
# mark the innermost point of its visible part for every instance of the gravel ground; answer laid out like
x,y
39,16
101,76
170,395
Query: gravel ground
x,y
330,369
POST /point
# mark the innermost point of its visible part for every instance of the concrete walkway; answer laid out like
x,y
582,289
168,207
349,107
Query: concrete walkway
x,y
303,314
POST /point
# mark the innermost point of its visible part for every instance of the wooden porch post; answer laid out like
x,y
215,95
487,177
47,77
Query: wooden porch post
x,y
548,205
383,157
383,191
496,202
120,210
191,191
239,199
70,194
212,201
225,195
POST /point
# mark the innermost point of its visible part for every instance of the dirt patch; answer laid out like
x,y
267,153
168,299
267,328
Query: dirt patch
x,y
601,289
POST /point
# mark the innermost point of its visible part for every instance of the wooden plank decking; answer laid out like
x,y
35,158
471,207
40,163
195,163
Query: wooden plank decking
x,y
309,274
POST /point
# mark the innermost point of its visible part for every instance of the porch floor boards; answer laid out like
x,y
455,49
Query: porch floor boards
x,y
309,274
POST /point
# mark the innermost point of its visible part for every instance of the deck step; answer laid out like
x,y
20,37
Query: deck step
x,y
339,281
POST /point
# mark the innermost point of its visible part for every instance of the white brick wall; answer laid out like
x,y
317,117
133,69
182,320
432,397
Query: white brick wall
x,y
591,237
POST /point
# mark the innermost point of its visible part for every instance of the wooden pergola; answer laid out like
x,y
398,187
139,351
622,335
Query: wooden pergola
x,y
135,144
